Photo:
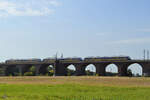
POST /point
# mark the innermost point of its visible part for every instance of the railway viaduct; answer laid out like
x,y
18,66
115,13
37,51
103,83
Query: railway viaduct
x,y
61,67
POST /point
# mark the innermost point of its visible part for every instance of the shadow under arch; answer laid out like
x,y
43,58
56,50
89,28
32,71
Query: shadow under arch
x,y
90,70
46,70
29,68
136,69
71,70
12,71
111,70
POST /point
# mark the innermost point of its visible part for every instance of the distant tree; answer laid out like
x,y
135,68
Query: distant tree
x,y
50,71
129,73
49,68
90,73
28,74
97,75
138,75
33,70
70,72
2,72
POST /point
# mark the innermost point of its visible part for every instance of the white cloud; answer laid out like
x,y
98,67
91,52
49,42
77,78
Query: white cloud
x,y
27,8
133,41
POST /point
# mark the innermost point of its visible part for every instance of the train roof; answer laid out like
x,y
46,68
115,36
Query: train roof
x,y
23,59
49,58
109,57
70,58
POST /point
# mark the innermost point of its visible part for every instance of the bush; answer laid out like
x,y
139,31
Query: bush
x,y
51,72
17,74
2,72
97,75
70,72
28,74
129,73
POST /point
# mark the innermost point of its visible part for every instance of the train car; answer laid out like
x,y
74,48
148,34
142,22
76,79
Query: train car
x,y
22,60
121,58
48,59
70,59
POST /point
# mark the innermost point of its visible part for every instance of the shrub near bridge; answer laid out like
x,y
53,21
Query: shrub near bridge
x,y
28,74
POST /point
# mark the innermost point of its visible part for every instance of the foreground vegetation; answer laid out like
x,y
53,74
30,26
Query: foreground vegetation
x,y
74,88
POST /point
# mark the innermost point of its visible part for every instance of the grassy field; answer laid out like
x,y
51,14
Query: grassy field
x,y
74,88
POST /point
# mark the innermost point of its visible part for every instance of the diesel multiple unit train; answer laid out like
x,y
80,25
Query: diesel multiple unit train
x,y
124,58
22,61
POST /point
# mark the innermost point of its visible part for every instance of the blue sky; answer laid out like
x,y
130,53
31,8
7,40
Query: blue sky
x,y
40,28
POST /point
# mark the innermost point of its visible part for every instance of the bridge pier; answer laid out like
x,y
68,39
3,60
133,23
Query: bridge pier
x,y
37,69
122,69
80,70
146,70
60,69
21,69
100,69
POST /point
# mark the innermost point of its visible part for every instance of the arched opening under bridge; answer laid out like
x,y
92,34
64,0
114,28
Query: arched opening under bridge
x,y
50,70
135,70
111,70
12,71
29,70
90,70
47,70
71,69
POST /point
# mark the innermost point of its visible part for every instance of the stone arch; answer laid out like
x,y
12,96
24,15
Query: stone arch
x,y
90,69
46,70
72,67
136,69
71,70
50,69
111,69
28,70
3,70
12,71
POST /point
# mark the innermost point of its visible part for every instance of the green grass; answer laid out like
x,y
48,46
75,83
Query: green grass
x,y
71,92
